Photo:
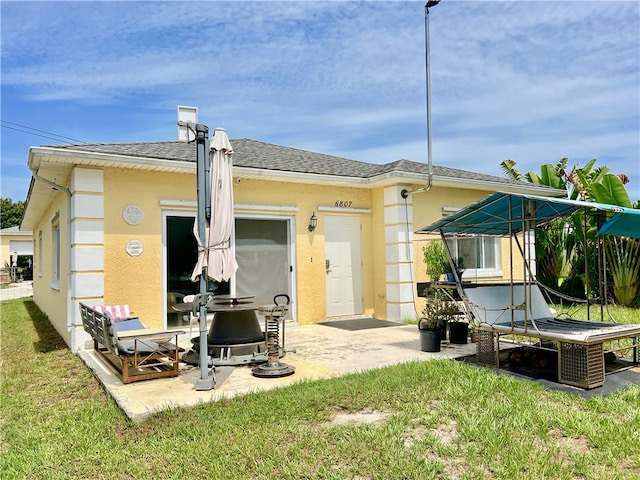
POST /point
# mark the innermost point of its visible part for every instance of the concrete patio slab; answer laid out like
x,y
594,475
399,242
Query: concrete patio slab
x,y
321,352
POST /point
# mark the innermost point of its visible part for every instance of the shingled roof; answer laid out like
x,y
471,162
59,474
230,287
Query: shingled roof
x,y
266,156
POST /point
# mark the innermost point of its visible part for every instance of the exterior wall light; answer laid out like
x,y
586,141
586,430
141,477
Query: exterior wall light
x,y
313,222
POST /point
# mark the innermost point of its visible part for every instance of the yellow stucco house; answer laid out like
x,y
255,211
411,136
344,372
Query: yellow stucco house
x,y
112,224
14,243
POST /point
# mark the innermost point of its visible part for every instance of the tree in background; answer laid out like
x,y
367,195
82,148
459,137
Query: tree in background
x,y
10,212
567,250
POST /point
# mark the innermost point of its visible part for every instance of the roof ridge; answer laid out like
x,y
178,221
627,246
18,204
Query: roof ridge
x,y
262,155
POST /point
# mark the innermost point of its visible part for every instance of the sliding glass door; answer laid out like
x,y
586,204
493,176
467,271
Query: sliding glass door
x,y
262,249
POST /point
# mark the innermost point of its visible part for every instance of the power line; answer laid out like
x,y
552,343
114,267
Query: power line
x,y
31,130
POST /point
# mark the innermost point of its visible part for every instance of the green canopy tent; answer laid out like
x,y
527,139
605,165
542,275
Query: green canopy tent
x,y
509,214
502,214
518,307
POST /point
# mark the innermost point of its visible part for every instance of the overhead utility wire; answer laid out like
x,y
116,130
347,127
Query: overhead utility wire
x,y
49,135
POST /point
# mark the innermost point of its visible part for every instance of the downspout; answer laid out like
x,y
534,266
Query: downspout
x,y
55,186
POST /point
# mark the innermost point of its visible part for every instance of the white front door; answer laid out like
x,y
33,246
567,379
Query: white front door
x,y
343,265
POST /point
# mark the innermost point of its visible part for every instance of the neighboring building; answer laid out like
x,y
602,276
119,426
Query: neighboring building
x,y
112,223
16,246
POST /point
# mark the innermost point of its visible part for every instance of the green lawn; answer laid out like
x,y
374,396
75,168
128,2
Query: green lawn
x,y
439,419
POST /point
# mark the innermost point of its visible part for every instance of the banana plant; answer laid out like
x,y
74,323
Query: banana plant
x,y
562,251
623,254
623,257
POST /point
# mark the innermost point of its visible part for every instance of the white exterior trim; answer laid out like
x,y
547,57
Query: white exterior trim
x,y
398,228
86,217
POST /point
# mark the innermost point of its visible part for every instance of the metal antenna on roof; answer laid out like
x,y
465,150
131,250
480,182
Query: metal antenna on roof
x,y
430,3
405,193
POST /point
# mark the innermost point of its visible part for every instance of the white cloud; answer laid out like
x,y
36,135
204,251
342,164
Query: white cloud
x,y
530,80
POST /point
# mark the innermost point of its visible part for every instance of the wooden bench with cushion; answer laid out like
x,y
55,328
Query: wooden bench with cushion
x,y
134,351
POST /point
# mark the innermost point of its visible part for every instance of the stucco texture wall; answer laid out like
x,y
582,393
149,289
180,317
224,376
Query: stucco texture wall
x,y
428,208
137,280
310,247
52,298
378,262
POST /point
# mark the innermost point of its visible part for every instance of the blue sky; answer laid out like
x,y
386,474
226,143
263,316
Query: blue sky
x,y
533,81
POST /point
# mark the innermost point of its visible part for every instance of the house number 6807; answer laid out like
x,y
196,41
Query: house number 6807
x,y
343,204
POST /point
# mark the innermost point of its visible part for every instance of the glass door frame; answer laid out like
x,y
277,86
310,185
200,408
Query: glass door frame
x,y
291,247
168,212
291,253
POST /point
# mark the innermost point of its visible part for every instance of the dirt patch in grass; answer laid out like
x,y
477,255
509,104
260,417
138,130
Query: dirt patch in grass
x,y
447,433
370,417
416,434
568,445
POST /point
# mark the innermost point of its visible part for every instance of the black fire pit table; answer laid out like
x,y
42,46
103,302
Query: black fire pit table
x,y
235,336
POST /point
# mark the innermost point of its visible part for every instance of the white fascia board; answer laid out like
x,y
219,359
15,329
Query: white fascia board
x,y
296,177
19,233
466,183
94,158
386,179
476,184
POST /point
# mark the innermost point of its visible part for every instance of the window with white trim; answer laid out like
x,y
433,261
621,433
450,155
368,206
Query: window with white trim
x,y
481,254
39,259
55,249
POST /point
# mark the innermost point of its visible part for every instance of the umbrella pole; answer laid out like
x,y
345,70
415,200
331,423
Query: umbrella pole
x,y
205,382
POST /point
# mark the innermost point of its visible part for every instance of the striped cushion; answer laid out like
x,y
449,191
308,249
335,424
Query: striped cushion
x,y
117,312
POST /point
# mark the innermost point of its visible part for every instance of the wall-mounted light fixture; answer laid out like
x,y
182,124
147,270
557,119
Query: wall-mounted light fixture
x,y
313,222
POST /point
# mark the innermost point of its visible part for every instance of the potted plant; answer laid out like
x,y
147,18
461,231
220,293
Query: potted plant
x,y
435,259
429,335
458,329
458,264
438,311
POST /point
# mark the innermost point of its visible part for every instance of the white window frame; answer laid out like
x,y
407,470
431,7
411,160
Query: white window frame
x,y
39,253
55,251
496,271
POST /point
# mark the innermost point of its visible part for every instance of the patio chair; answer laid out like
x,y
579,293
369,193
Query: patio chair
x,y
134,351
188,316
174,317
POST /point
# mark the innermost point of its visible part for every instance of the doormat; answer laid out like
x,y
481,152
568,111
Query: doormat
x,y
355,324
620,374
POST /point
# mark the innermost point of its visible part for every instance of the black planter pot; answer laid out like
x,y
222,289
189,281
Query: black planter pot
x,y
458,332
429,338
442,325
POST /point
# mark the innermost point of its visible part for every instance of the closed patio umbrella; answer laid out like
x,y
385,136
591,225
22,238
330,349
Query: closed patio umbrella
x,y
216,256
214,225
